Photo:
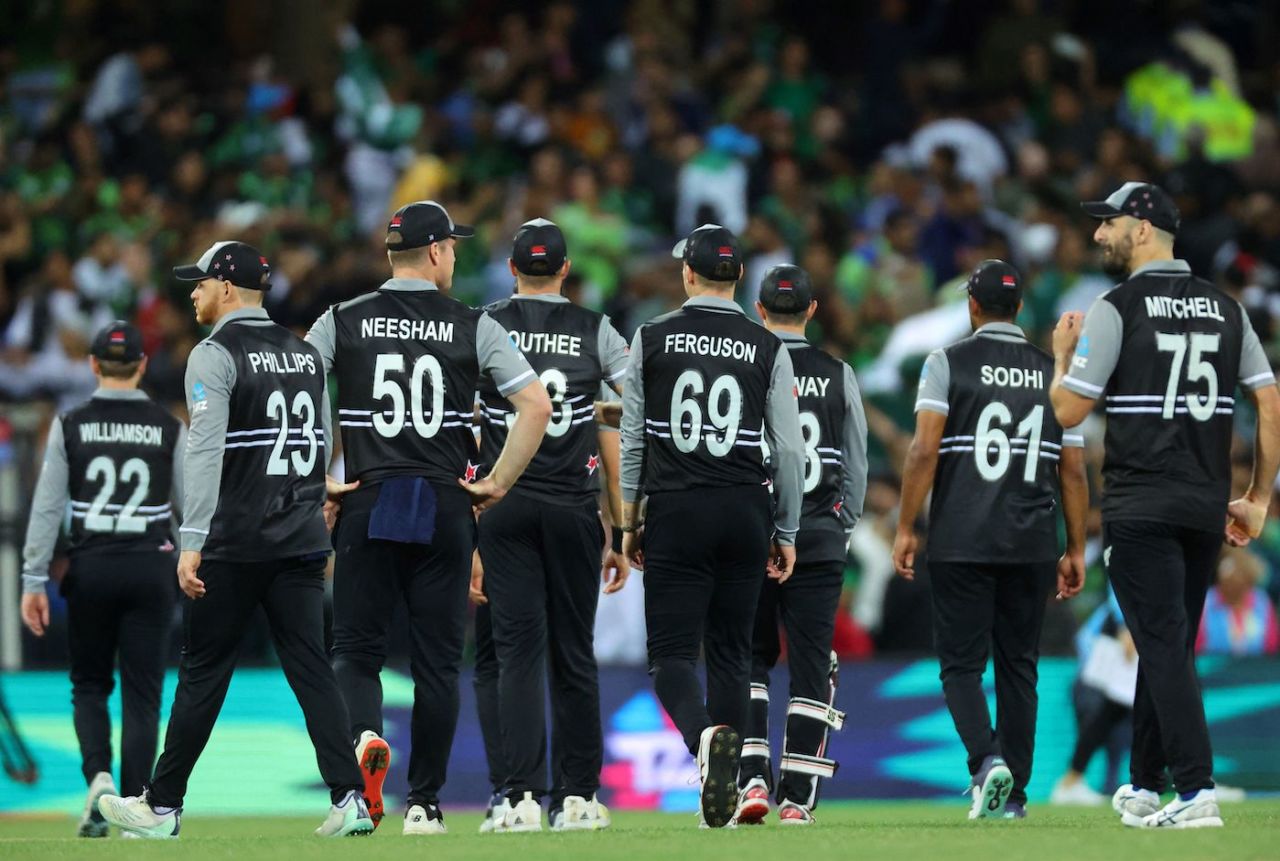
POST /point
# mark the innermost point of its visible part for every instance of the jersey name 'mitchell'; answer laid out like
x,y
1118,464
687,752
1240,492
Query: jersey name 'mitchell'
x,y
406,330
707,345
261,361
1015,378
1181,308
547,342
121,432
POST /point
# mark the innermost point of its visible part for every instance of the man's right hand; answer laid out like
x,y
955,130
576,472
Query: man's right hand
x,y
35,612
188,565
1246,517
477,580
904,554
782,562
633,547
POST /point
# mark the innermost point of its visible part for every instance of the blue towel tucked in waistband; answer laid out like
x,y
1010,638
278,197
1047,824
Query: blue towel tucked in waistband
x,y
405,511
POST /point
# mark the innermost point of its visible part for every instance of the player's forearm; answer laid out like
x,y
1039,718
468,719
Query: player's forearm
x,y
611,464
1075,498
533,411
630,516
917,479
1266,445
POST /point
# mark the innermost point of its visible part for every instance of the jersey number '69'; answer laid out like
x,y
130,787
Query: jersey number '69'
x,y
723,412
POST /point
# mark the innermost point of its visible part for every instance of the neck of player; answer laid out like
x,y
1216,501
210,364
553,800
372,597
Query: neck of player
x,y
1149,253
789,328
524,288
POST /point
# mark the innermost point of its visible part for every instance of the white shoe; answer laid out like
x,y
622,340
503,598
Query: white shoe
x,y
494,814
719,749
603,818
753,803
423,819
790,813
348,818
134,813
1134,805
577,814
525,815
1200,811
92,823
991,789
1077,794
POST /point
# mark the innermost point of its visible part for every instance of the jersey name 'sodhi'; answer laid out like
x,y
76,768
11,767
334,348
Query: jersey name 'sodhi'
x,y
1027,378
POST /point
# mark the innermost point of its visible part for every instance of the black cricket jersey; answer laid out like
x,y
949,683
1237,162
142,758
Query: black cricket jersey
x,y
823,412
406,368
561,342
120,474
272,491
706,379
1173,345
996,487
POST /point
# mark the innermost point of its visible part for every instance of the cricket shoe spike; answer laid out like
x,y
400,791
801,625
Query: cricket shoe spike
x,y
374,755
991,787
92,823
719,749
348,818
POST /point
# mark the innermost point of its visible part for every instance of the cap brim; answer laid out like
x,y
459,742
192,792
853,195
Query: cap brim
x,y
1099,209
190,272
678,250
463,231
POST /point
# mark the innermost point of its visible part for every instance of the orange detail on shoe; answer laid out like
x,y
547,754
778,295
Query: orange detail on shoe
x,y
373,767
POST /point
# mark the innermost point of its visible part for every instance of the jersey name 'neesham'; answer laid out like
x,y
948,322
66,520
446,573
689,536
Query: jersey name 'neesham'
x,y
406,330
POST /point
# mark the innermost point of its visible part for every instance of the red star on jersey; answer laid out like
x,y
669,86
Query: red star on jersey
x,y
472,468
593,461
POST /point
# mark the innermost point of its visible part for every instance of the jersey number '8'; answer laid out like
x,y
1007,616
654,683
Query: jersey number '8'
x,y
557,385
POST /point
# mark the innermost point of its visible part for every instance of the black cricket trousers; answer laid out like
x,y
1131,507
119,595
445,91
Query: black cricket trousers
x,y
291,591
806,606
542,577
979,608
485,684
1161,574
432,579
705,552
119,604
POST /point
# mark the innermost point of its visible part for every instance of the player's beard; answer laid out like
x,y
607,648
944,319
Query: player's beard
x,y
1116,258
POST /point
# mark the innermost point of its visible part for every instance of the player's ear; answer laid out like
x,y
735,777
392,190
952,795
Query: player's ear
x,y
94,366
564,269
813,309
142,369
760,311
511,264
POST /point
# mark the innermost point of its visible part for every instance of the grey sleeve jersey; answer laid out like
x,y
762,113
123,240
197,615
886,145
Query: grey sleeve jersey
x,y
935,384
500,359
1255,370
853,483
1097,351
786,447
47,510
178,484
211,375
613,353
633,423
324,337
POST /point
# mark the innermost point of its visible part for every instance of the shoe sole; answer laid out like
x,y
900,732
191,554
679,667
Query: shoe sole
x,y
753,812
374,763
995,792
359,828
720,789
790,823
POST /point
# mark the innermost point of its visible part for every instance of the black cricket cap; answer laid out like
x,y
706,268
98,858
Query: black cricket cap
x,y
786,289
538,248
234,262
995,284
712,251
1140,200
415,225
118,342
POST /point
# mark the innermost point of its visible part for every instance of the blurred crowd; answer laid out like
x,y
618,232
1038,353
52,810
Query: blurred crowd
x,y
887,147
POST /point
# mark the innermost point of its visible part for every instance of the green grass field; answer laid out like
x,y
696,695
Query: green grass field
x,y
863,831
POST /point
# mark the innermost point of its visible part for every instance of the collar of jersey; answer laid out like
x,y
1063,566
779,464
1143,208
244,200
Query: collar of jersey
x,y
120,394
1174,265
241,314
540,297
1002,329
408,284
713,303
792,337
